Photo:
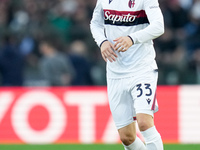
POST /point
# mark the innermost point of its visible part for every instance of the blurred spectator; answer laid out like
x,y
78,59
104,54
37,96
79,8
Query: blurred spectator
x,y
78,57
178,15
186,4
11,63
197,64
56,69
193,28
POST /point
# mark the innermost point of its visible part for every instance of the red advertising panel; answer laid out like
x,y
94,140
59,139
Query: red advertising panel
x,y
72,114
166,119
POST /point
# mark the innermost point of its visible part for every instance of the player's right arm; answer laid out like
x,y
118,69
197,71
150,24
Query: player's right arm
x,y
107,51
97,29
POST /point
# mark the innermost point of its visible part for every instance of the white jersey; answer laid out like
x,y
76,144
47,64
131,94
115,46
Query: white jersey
x,y
142,20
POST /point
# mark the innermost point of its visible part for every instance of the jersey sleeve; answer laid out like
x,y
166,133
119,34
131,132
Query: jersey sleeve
x,y
97,24
156,26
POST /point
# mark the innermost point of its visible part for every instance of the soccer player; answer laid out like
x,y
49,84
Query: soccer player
x,y
124,30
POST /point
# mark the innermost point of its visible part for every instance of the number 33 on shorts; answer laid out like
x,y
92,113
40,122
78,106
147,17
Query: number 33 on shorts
x,y
147,91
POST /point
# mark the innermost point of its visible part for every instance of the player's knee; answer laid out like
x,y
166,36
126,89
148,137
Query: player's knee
x,y
143,125
127,139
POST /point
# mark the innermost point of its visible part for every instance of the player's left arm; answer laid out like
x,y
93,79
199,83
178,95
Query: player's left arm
x,y
123,43
156,26
154,30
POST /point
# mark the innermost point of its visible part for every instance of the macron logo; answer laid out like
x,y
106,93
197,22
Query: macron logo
x,y
149,101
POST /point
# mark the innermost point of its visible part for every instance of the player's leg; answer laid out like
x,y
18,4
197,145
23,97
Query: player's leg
x,y
145,105
128,134
121,106
152,137
145,121
129,139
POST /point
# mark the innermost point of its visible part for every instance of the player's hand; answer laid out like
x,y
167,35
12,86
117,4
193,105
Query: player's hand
x,y
123,43
107,51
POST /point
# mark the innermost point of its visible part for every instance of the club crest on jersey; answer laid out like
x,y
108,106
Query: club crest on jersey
x,y
131,3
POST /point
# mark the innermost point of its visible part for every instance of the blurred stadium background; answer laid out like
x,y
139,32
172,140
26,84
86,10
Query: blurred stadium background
x,y
52,77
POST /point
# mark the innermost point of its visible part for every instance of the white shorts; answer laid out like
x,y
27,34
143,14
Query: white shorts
x,y
133,95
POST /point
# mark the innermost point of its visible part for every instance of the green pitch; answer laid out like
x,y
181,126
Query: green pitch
x,y
90,147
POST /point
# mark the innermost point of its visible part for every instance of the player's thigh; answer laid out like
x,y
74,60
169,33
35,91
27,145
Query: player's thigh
x,y
120,101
